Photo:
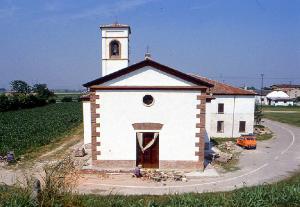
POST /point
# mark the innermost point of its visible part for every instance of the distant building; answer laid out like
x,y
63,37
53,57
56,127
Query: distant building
x,y
261,96
279,98
293,91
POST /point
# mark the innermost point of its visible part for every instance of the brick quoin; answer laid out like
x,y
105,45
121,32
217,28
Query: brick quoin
x,y
94,116
200,125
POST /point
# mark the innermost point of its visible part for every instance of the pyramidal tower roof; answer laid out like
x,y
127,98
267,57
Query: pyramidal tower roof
x,y
115,25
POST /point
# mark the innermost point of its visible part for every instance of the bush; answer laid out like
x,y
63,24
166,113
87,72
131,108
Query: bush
x,y
67,99
20,101
52,101
4,102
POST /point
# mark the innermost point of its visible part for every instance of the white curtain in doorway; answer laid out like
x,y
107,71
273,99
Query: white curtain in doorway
x,y
140,141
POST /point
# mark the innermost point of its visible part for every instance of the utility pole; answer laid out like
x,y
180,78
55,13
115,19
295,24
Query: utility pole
x,y
261,89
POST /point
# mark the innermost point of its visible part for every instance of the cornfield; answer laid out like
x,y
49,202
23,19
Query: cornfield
x,y
25,130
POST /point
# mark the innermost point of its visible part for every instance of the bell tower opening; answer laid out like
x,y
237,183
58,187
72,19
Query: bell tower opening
x,y
115,47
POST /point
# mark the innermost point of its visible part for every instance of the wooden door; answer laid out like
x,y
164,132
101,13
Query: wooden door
x,y
150,157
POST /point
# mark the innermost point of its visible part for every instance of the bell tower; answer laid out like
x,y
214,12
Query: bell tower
x,y
115,47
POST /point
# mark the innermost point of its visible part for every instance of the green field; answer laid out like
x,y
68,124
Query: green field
x,y
60,96
24,130
281,108
288,118
284,114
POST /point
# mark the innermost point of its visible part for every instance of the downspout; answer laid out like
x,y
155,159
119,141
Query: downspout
x,y
233,116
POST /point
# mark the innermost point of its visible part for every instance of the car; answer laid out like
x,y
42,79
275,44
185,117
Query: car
x,y
247,141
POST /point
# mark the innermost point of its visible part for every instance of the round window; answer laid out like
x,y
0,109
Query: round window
x,y
148,100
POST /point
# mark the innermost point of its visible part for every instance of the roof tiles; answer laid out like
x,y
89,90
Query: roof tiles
x,y
224,89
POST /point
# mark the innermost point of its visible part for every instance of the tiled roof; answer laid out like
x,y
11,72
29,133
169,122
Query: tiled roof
x,y
285,86
224,89
116,25
152,63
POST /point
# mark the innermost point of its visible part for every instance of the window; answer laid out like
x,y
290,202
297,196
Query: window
x,y
148,100
242,127
220,126
114,49
220,108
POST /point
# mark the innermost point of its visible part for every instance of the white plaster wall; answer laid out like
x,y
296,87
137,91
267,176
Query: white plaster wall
x,y
281,103
175,110
236,109
258,99
294,93
148,76
115,32
112,65
87,134
208,121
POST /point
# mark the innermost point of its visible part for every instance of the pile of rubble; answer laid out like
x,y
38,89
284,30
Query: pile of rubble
x,y
80,152
159,176
230,146
224,152
9,158
223,157
261,130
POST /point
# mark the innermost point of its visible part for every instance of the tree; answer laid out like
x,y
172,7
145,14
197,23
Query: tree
x,y
258,115
42,91
20,86
251,88
4,102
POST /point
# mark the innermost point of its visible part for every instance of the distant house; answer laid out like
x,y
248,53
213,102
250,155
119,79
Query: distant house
x,y
293,91
279,98
261,96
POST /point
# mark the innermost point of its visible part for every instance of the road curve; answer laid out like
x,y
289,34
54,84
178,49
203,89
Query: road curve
x,y
273,160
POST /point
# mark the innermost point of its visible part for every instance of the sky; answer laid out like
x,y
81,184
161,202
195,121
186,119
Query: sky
x,y
58,42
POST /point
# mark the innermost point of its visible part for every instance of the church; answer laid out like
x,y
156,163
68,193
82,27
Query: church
x,y
156,116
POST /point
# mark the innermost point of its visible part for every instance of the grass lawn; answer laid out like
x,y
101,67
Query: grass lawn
x,y
281,108
262,137
288,118
25,130
289,115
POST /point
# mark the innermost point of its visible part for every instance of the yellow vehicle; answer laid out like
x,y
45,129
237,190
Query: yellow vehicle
x,y
247,141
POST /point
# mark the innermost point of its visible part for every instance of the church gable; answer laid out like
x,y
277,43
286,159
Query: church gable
x,y
148,73
148,76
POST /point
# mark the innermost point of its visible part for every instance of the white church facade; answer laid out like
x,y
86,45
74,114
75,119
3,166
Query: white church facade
x,y
152,115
